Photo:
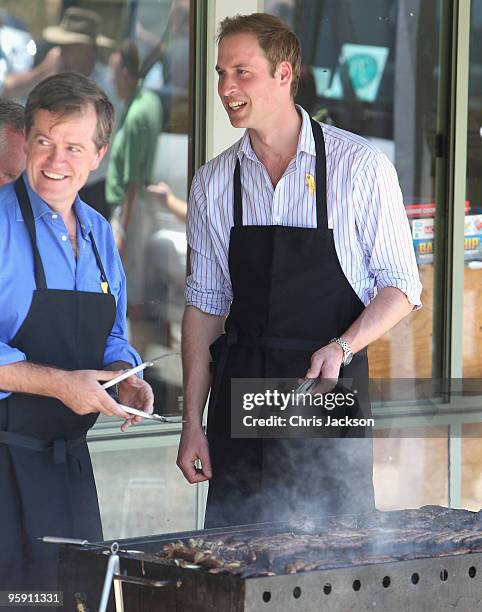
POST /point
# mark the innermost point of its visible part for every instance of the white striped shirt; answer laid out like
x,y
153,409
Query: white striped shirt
x,y
365,209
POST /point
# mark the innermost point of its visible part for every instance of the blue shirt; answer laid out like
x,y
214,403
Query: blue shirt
x,y
62,269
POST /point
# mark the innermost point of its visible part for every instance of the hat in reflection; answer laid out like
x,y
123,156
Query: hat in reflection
x,y
78,25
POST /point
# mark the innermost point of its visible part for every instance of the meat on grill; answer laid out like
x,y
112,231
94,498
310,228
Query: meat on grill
x,y
376,537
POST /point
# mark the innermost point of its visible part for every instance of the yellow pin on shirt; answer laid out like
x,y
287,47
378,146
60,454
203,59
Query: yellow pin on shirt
x,y
310,181
104,285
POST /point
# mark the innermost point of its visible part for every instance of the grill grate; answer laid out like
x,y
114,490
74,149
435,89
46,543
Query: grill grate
x,y
452,580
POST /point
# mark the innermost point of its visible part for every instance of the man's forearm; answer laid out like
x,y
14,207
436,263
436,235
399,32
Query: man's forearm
x,y
199,330
18,84
26,377
79,390
388,308
177,206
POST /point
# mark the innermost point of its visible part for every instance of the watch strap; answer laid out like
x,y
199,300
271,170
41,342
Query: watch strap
x,y
346,348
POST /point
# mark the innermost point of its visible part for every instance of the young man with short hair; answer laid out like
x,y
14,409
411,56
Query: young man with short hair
x,y
299,236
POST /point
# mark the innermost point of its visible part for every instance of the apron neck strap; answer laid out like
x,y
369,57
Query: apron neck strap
x,y
103,275
321,200
238,198
27,214
320,181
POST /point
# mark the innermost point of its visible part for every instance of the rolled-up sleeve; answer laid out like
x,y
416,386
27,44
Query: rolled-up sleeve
x,y
9,355
205,285
384,230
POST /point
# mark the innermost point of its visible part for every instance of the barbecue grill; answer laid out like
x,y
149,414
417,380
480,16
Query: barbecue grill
x,y
419,560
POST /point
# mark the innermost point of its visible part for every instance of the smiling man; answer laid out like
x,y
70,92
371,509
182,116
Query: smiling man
x,y
288,231
62,331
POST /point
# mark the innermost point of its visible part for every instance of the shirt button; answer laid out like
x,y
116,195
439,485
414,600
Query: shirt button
x,y
54,216
64,237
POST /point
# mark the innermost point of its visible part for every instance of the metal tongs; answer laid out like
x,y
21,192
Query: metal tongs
x,y
135,370
139,368
153,416
309,385
306,386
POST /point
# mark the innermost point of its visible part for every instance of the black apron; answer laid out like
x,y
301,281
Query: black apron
x,y
46,476
290,297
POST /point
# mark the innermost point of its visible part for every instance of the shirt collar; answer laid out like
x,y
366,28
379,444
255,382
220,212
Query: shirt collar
x,y
41,208
245,147
306,142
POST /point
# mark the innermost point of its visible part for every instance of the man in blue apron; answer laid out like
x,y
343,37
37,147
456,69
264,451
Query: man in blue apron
x,y
62,324
299,233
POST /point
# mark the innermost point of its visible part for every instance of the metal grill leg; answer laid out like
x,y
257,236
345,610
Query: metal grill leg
x,y
113,567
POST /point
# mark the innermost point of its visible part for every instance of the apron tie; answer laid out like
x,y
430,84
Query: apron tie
x,y
59,447
60,451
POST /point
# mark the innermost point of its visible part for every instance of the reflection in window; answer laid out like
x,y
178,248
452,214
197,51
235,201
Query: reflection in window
x,y
472,354
162,32
371,68
410,467
135,501
139,52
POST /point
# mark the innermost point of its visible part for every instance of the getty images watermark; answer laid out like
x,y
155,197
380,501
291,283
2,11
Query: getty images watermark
x,y
280,408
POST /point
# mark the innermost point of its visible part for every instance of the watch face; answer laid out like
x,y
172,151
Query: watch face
x,y
348,358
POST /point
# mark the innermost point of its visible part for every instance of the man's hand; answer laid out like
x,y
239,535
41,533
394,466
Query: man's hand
x,y
136,393
326,362
199,330
82,392
161,189
167,198
193,446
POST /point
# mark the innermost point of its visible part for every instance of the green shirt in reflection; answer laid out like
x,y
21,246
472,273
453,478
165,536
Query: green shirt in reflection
x,y
134,145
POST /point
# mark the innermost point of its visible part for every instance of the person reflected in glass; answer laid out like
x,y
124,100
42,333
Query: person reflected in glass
x,y
129,172
76,39
12,153
170,57
135,142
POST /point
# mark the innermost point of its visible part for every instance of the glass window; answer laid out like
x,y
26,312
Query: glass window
x,y
140,52
145,494
471,456
410,467
471,466
142,184
371,68
472,337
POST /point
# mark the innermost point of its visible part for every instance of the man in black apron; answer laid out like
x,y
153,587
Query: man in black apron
x,y
293,313
62,323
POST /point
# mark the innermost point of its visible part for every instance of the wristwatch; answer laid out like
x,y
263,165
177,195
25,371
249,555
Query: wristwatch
x,y
346,348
